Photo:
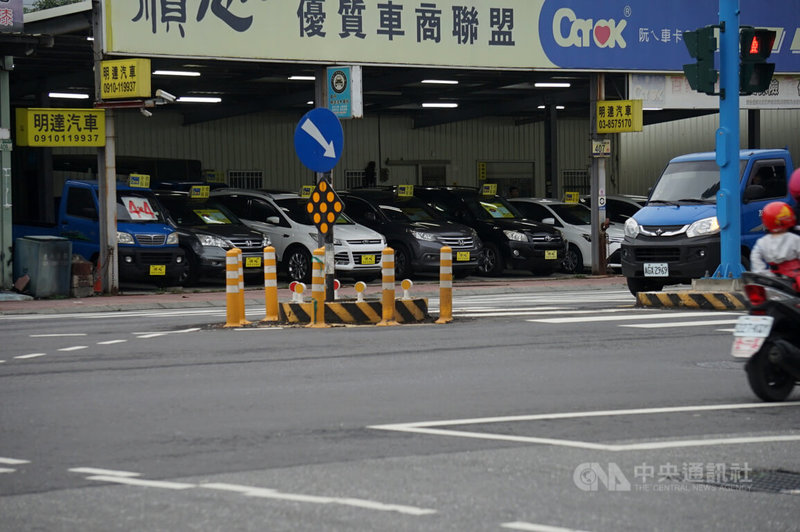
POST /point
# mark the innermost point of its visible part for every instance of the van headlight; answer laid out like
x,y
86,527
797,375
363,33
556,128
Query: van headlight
x,y
631,228
125,238
172,239
706,226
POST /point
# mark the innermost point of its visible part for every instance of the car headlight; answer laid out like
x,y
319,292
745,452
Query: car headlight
x,y
706,226
631,228
172,239
209,240
515,235
124,238
421,235
265,241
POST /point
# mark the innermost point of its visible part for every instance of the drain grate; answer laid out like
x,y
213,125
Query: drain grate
x,y
777,481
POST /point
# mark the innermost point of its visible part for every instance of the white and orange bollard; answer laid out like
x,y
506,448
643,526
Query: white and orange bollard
x,y
232,293
242,319
318,288
387,298
270,285
446,285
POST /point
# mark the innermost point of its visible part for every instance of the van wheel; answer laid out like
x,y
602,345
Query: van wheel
x,y
492,264
573,260
298,264
637,284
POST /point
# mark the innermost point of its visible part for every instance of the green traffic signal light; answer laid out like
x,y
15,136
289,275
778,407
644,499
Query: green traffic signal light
x,y
755,73
701,44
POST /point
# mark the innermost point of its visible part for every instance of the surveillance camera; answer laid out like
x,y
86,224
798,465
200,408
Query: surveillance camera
x,y
165,95
146,113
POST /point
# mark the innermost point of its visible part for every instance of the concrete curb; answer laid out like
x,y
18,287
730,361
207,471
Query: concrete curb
x,y
694,300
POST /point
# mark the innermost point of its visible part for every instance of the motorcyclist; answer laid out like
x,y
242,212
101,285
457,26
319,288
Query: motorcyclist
x,y
779,250
794,190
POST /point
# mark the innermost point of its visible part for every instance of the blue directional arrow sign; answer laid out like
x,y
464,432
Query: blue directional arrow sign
x,y
318,140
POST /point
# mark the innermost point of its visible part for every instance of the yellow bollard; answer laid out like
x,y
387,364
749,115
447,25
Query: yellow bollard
x,y
406,285
446,286
232,289
242,319
270,284
360,287
318,288
387,300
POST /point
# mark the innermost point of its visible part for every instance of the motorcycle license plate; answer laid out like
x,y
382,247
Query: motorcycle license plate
x,y
749,335
656,269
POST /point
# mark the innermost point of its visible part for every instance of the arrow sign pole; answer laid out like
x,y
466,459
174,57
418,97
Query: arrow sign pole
x,y
312,129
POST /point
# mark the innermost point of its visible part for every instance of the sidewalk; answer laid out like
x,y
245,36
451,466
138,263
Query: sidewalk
x,y
13,303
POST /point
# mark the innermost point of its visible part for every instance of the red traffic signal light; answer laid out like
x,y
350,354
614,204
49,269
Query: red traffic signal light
x,y
755,46
756,43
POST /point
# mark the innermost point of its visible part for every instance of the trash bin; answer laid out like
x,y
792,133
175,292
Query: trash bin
x,y
47,260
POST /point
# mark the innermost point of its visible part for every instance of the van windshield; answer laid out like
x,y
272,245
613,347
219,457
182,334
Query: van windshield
x,y
136,206
690,181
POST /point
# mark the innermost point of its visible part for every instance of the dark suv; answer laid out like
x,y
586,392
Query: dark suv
x,y
509,241
414,230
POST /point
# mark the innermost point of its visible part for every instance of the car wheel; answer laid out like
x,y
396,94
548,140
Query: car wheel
x,y
492,261
402,262
573,260
768,381
637,284
191,274
298,264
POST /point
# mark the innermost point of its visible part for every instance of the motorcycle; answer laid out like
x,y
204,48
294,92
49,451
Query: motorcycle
x,y
769,335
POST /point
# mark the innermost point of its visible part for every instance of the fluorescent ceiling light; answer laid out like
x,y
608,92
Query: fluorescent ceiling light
x,y
552,85
187,73
310,102
441,81
440,105
302,78
560,107
69,95
199,99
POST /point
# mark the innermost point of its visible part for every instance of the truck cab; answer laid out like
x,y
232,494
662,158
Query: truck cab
x,y
675,237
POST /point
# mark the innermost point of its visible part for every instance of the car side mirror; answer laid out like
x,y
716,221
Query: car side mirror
x,y
274,220
549,221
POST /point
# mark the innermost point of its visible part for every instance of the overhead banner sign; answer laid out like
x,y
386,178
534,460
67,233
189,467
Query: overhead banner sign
x,y
619,116
496,34
61,127
125,78
11,16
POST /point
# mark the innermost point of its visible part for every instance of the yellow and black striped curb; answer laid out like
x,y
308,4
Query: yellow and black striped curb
x,y
356,312
697,300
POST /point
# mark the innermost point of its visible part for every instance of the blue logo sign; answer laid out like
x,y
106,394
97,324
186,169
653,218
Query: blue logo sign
x,y
319,139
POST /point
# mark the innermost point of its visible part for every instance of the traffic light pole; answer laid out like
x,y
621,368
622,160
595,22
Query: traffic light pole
x,y
727,144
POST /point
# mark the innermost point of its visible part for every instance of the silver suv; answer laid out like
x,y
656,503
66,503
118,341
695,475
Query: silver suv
x,y
284,218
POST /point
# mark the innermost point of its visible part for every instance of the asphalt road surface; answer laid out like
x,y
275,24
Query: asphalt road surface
x,y
535,410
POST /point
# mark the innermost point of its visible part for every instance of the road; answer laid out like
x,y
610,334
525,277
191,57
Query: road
x,y
534,410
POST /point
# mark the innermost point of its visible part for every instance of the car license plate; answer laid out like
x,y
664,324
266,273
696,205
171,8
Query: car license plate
x,y
367,259
462,256
551,254
749,335
656,269
158,269
252,262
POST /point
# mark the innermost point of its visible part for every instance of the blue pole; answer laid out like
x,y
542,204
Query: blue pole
x,y
727,144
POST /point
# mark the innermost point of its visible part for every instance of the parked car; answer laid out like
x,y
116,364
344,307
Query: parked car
x,y
619,207
207,231
509,241
414,230
575,223
283,216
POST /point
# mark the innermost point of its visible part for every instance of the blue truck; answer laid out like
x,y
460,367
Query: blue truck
x,y
675,237
147,245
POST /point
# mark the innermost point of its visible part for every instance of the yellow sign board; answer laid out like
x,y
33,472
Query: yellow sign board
x,y
139,180
40,127
619,116
306,190
572,197
125,78
482,171
489,189
213,176
405,191
199,191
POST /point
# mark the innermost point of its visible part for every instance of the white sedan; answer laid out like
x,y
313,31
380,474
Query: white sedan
x,y
575,223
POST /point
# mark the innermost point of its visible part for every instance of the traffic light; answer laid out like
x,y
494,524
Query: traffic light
x,y
701,44
754,71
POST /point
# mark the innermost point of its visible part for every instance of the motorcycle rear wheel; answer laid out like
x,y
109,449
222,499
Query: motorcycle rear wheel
x,y
768,381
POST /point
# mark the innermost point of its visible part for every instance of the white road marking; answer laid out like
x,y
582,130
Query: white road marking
x,y
641,316
32,355
163,333
6,470
106,472
678,324
267,493
13,461
56,335
512,312
74,348
259,329
2,361
426,427
111,342
530,527
142,482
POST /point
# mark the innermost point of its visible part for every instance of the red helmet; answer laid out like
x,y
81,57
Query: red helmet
x,y
778,216
794,185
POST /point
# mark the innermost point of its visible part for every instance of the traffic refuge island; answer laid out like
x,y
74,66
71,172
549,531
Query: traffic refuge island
x,y
705,294
386,311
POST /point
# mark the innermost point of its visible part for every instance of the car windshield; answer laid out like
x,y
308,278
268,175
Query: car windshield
x,y
690,181
573,213
491,207
137,206
190,212
297,210
408,210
